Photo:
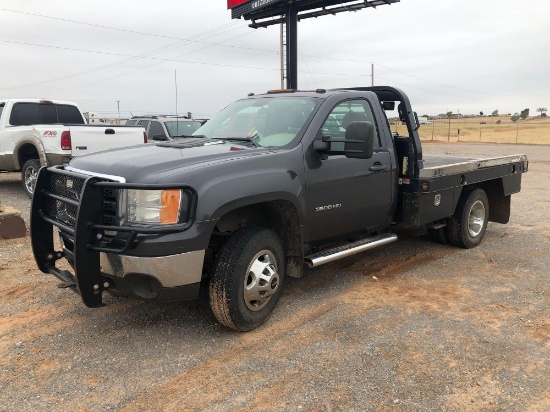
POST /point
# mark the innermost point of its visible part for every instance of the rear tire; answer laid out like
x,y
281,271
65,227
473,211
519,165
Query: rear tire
x,y
29,174
467,226
247,279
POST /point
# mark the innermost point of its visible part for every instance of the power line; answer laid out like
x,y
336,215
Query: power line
x,y
173,60
130,58
421,88
147,55
133,31
202,63
211,44
91,24
426,80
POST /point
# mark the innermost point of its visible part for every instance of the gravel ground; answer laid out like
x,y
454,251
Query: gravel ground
x,y
414,326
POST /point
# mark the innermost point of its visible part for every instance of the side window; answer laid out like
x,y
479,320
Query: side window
x,y
68,114
26,114
343,114
1,109
145,125
130,122
155,129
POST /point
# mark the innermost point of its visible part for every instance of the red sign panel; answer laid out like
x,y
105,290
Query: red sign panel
x,y
233,3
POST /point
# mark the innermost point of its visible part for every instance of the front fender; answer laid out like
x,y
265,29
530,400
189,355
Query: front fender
x,y
276,176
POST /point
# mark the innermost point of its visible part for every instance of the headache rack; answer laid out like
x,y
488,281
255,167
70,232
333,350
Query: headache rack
x,y
88,211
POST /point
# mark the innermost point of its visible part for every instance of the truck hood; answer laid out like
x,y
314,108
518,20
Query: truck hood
x,y
152,162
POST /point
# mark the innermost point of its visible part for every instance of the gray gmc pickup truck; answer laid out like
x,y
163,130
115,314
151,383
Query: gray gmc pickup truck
x,y
271,183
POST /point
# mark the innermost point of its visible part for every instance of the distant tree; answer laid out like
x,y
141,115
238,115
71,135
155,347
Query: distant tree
x,y
495,113
449,115
515,117
524,114
425,115
499,121
543,115
481,113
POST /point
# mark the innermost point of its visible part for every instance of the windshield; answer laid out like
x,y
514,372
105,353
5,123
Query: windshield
x,y
268,121
181,128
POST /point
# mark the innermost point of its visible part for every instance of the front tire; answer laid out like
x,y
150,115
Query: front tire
x,y
29,174
467,226
247,279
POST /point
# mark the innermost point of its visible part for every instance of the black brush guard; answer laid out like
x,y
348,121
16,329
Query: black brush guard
x,y
76,205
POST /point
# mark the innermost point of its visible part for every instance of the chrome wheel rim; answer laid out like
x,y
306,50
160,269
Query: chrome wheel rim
x,y
261,281
476,219
30,179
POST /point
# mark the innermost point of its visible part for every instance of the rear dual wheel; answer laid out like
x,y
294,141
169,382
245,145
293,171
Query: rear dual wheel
x,y
467,226
247,278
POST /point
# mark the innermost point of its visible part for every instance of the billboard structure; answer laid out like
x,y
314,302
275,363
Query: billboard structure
x,y
264,13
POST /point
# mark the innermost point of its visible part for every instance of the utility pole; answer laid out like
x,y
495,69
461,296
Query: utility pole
x,y
449,135
282,51
372,74
118,107
176,87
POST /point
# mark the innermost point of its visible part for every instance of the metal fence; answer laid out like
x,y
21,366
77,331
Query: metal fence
x,y
483,130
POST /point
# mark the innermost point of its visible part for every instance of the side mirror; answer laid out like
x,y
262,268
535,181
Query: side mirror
x,y
388,105
359,143
160,138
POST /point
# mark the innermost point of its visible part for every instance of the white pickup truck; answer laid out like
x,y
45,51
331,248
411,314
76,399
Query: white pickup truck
x,y
35,133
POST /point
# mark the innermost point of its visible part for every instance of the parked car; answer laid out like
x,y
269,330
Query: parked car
x,y
165,128
35,133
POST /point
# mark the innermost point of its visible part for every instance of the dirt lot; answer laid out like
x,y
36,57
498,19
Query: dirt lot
x,y
414,326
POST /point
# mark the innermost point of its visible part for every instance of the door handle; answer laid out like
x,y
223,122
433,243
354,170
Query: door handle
x,y
109,131
378,167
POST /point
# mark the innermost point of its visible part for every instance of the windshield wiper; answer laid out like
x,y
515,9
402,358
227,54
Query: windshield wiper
x,y
189,135
244,139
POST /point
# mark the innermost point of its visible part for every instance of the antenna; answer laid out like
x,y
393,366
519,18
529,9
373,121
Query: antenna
x,y
176,84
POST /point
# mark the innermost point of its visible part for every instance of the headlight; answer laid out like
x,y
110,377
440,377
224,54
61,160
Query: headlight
x,y
155,206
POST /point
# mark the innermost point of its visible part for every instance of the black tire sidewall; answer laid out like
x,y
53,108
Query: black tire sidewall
x,y
249,242
474,196
244,315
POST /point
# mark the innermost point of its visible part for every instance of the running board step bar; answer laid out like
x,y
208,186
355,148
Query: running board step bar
x,y
340,252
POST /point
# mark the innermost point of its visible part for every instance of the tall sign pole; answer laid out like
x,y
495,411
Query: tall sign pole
x,y
264,13
292,47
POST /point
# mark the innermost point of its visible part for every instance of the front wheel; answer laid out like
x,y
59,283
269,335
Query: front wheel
x,y
247,278
29,174
467,226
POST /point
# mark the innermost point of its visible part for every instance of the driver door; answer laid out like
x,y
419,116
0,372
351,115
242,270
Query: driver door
x,y
343,195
